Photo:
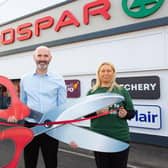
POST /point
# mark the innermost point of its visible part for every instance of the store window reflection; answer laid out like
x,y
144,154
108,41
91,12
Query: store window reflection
x,y
5,99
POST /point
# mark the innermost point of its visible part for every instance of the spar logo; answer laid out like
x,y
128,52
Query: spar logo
x,y
141,8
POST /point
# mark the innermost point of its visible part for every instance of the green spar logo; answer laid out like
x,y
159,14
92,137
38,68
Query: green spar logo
x,y
141,8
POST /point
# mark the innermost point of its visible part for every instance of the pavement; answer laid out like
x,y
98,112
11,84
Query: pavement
x,y
141,156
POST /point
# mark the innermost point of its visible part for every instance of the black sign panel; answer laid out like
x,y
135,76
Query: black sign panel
x,y
145,87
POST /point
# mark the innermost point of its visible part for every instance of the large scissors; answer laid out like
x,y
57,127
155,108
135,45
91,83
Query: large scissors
x,y
84,138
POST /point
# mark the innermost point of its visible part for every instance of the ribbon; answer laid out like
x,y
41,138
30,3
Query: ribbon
x,y
63,122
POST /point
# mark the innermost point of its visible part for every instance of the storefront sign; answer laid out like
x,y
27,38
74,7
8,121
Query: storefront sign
x,y
147,116
145,87
68,18
73,88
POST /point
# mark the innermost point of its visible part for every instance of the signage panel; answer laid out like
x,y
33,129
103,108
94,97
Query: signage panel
x,y
145,87
73,88
91,16
141,87
147,116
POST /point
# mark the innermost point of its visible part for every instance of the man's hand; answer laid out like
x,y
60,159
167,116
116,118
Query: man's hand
x,y
12,119
102,111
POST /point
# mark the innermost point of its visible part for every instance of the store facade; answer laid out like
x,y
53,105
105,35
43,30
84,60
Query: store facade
x,y
133,35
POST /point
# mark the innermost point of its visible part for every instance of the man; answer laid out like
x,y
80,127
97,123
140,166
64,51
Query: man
x,y
42,91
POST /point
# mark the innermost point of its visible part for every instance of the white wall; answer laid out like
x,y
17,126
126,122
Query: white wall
x,y
144,50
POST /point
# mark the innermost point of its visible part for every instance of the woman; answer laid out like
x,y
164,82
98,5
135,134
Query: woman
x,y
115,124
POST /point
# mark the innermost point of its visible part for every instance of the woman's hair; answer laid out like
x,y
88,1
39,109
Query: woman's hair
x,y
98,83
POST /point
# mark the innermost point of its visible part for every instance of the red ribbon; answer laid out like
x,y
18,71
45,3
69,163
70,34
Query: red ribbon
x,y
63,122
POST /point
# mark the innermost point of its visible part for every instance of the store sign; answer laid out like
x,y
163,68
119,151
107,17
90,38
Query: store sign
x,y
27,30
73,88
56,20
145,87
141,8
147,116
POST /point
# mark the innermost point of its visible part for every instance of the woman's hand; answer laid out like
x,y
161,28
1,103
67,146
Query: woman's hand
x,y
72,144
122,113
102,111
